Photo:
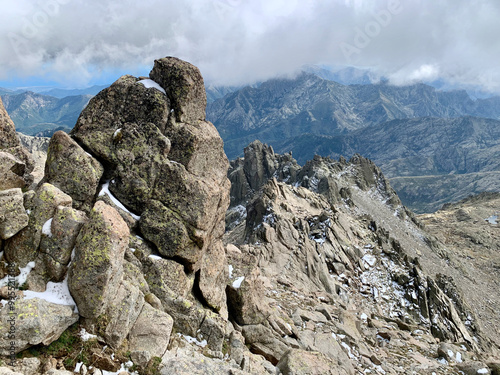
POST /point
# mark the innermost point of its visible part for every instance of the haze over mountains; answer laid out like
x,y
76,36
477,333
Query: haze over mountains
x,y
435,146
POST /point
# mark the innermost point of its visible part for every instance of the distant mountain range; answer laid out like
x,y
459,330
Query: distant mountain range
x,y
435,146
37,114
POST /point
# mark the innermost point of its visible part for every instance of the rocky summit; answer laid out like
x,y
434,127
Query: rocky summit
x,y
142,250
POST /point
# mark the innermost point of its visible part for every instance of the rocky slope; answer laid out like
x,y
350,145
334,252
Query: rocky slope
x,y
122,262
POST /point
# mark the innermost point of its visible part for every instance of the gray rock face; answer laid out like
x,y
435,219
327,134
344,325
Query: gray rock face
x,y
23,247
37,322
95,273
55,250
184,86
151,332
11,171
13,216
72,170
171,172
8,136
309,363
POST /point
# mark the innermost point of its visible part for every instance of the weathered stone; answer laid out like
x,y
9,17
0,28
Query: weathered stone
x,y
166,278
11,172
37,322
151,332
213,275
121,313
72,170
124,102
23,247
296,362
56,249
184,86
8,136
197,364
168,232
262,341
13,216
474,368
96,271
30,366
247,303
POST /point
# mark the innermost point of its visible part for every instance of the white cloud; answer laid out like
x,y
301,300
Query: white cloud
x,y
237,41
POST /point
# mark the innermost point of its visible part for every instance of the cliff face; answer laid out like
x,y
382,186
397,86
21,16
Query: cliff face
x,y
123,241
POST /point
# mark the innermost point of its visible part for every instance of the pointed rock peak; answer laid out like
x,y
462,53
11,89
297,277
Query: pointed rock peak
x,y
184,86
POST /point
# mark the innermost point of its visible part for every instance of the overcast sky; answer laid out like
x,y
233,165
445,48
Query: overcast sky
x,y
77,43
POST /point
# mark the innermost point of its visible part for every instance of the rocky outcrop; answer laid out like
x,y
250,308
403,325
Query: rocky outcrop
x,y
96,271
72,170
13,216
16,163
8,137
38,322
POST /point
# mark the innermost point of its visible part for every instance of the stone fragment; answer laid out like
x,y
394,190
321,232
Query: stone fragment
x,y
72,170
151,332
36,322
56,248
11,171
302,362
22,248
184,86
96,271
13,216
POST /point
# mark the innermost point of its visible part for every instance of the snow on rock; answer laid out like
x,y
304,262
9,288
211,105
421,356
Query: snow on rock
x,y
85,336
46,229
193,340
105,190
238,281
21,279
57,293
149,83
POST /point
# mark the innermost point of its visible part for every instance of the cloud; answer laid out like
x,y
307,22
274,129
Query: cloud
x,y
240,41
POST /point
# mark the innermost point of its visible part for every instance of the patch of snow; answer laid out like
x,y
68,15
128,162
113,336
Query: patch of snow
x,y
132,249
483,371
57,293
21,279
85,336
348,349
459,357
363,316
492,220
105,190
238,281
193,340
450,353
149,83
230,271
28,211
443,361
78,367
370,260
46,227
154,257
